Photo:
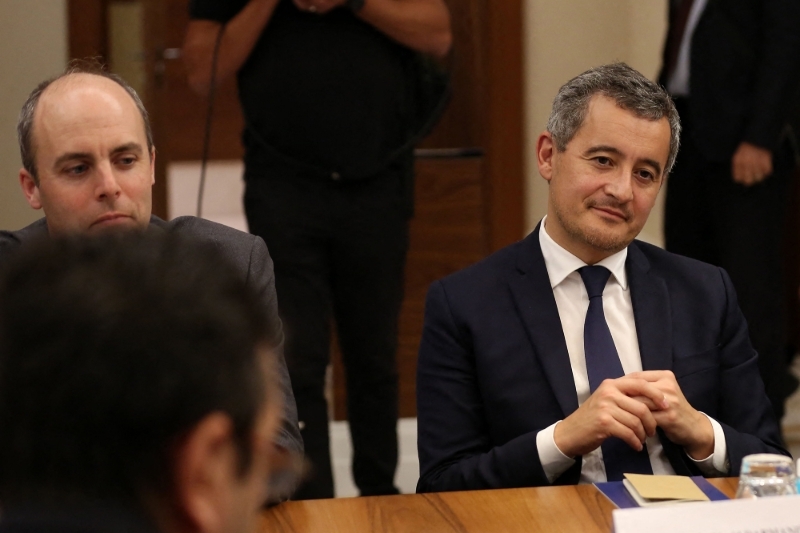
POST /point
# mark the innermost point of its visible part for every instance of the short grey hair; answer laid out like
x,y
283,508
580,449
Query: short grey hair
x,y
27,150
628,88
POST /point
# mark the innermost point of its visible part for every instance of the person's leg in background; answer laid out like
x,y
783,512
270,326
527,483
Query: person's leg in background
x,y
751,229
290,214
688,220
711,218
369,257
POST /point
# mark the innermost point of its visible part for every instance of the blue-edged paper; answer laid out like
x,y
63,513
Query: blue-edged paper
x,y
618,494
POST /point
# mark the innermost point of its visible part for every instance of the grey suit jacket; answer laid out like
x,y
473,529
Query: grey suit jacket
x,y
249,256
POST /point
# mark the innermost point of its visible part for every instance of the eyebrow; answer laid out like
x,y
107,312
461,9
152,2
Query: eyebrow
x,y
127,147
610,149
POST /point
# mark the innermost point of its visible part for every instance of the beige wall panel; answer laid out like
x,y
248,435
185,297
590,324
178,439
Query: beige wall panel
x,y
33,46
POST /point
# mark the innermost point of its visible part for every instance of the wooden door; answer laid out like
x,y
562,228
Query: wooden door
x,y
468,202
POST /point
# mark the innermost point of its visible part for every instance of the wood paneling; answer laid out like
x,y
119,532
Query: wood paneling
x,y
182,114
505,136
463,122
178,115
87,29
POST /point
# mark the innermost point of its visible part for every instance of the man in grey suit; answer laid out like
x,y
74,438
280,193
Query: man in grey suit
x,y
89,163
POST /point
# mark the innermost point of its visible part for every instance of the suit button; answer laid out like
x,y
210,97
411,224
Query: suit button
x,y
335,176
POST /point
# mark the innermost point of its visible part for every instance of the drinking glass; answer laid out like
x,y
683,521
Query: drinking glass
x,y
766,474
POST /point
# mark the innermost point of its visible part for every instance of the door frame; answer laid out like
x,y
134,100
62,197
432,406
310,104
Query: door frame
x,y
505,125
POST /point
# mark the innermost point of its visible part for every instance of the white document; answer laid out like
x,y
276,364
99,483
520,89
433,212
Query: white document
x,y
764,515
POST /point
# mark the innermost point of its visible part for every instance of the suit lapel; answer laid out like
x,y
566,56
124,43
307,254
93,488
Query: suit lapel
x,y
653,317
534,300
651,312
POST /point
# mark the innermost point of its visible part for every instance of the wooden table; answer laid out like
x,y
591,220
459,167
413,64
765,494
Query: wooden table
x,y
579,508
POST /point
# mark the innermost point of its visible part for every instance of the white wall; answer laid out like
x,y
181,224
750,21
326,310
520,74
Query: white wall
x,y
566,37
33,47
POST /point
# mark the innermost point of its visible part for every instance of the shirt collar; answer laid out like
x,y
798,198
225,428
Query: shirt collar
x,y
560,263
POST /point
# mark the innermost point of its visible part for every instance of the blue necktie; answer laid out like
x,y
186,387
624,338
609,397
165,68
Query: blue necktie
x,y
602,362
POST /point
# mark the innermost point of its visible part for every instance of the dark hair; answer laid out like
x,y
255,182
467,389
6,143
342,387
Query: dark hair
x,y
628,88
26,115
111,350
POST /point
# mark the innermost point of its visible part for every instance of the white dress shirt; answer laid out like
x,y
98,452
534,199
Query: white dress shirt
x,y
573,302
678,83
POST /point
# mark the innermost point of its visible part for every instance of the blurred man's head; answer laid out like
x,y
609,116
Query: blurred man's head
x,y
134,371
611,140
87,153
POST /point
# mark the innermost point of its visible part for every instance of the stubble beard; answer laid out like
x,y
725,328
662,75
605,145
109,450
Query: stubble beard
x,y
596,237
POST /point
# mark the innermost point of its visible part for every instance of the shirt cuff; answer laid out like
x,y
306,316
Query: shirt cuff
x,y
717,463
553,461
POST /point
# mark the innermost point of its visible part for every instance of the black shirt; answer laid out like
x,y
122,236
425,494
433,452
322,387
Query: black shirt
x,y
328,90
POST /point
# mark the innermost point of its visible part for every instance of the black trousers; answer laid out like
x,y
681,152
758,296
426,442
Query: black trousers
x,y
711,218
339,249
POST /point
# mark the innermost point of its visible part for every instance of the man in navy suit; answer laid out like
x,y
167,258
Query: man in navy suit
x,y
579,354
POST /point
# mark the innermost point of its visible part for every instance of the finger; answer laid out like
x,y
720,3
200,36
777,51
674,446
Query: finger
x,y
641,387
651,375
664,380
629,429
647,402
641,411
605,410
742,177
630,413
673,424
306,5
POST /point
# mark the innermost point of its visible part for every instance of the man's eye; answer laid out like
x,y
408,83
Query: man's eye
x,y
127,160
604,161
647,175
77,170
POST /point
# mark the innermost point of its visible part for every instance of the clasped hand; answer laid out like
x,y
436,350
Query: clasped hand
x,y
631,408
751,164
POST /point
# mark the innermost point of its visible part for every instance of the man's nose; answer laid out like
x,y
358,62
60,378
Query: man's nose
x,y
619,185
107,184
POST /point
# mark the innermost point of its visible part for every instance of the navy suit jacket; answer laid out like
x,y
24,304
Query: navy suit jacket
x,y
494,368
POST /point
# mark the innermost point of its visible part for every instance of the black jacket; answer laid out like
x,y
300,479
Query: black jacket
x,y
744,74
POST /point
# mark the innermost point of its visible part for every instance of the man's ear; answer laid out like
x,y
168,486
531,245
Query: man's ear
x,y
545,150
205,468
30,189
